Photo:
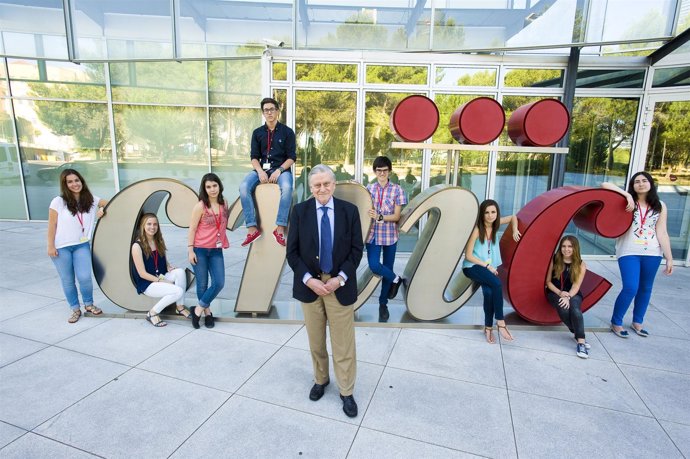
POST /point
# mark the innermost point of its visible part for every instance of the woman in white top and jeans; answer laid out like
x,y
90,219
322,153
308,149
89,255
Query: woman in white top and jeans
x,y
639,251
71,220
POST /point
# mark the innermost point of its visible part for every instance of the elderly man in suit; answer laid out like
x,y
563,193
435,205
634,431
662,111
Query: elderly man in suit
x,y
324,249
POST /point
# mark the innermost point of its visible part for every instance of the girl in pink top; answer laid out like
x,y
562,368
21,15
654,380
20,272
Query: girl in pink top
x,y
205,243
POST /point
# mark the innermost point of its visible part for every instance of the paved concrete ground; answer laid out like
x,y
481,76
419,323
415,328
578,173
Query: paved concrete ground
x,y
115,387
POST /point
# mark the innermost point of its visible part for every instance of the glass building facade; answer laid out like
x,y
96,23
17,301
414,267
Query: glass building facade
x,y
124,91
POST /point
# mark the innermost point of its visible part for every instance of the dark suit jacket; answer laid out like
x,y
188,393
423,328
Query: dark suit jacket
x,y
303,248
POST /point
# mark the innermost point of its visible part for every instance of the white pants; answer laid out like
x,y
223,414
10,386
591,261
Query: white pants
x,y
168,293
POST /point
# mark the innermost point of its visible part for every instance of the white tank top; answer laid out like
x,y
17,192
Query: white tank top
x,y
640,239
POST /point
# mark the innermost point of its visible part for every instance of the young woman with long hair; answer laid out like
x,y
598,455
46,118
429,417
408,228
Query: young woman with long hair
x,y
71,219
482,259
205,243
153,275
640,250
563,280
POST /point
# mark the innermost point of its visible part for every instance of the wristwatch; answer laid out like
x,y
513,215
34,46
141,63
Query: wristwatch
x,y
342,282
380,218
281,169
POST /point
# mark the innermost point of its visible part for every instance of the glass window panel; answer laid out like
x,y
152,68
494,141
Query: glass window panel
x,y
615,20
54,136
676,76
534,78
4,89
280,71
228,27
112,29
10,167
235,82
601,138
161,142
231,135
454,76
33,29
668,160
683,17
397,74
614,78
520,177
325,130
364,25
159,82
280,95
336,73
57,80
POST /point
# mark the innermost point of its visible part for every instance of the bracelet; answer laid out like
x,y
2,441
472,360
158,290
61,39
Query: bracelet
x,y
281,169
191,245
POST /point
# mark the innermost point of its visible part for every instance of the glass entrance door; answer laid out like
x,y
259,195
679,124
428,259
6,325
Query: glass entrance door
x,y
668,160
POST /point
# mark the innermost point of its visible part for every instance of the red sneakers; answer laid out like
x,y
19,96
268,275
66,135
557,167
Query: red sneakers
x,y
280,238
251,237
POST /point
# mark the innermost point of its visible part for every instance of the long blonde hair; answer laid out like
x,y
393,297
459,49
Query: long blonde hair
x,y
575,262
157,238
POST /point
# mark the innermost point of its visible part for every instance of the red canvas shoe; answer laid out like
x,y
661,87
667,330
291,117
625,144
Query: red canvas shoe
x,y
251,237
280,238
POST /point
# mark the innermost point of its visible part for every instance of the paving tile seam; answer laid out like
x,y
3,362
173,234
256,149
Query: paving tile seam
x,y
201,425
35,294
650,416
330,356
67,444
669,436
21,358
99,323
449,448
510,405
177,378
252,339
547,351
448,378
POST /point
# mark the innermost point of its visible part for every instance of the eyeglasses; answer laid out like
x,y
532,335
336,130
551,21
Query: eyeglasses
x,y
269,110
382,171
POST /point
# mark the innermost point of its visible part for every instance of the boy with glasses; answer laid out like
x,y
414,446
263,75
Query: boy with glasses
x,y
272,155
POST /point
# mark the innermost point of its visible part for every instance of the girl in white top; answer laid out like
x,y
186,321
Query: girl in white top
x,y
639,251
71,219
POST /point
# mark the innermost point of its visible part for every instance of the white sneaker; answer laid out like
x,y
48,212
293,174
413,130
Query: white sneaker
x,y
587,345
582,351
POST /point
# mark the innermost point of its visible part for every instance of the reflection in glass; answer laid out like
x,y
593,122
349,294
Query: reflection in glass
x,y
618,78
536,78
335,73
280,95
669,77
601,138
155,141
615,20
397,74
58,135
57,80
279,71
454,76
33,29
325,130
159,82
520,177
10,168
668,160
235,82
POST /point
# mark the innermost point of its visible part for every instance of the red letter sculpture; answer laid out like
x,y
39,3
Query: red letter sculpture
x,y
542,222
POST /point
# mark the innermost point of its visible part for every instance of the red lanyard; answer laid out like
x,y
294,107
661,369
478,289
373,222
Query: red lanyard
x,y
81,221
643,218
270,140
155,259
380,195
217,219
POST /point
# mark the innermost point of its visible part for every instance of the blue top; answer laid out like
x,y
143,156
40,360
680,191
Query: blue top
x,y
481,250
150,266
282,145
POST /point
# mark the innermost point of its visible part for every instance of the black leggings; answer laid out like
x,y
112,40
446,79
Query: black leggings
x,y
571,317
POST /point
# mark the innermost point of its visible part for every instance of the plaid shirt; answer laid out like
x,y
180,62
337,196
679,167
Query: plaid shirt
x,y
384,199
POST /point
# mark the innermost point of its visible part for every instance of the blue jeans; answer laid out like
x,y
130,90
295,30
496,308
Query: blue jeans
x,y
492,290
208,261
384,270
247,187
71,260
637,273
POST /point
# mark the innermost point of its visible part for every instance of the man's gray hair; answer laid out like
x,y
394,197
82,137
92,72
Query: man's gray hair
x,y
320,169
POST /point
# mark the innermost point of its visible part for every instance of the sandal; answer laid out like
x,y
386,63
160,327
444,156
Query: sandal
x,y
183,312
155,320
94,310
489,333
76,314
509,336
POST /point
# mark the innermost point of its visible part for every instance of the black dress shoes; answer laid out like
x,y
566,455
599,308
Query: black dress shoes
x,y
317,391
349,405
195,318
395,286
383,313
209,320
